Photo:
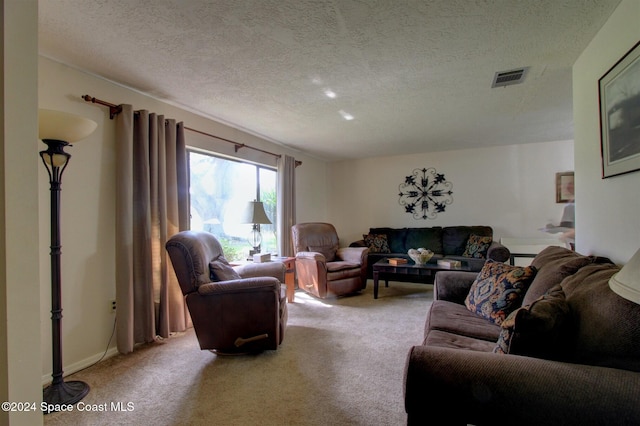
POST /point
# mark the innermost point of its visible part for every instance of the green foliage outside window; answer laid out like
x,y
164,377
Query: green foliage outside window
x,y
220,189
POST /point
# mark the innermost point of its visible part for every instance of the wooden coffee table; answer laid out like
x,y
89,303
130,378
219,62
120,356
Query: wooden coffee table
x,y
409,272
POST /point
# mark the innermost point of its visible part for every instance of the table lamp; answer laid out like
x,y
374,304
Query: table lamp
x,y
255,214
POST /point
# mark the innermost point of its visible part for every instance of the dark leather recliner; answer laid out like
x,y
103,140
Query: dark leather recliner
x,y
323,268
246,313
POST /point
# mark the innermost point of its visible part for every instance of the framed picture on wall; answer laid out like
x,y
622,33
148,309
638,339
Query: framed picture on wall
x,y
564,187
620,115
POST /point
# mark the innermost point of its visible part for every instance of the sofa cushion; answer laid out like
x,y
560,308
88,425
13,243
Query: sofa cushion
x,y
329,252
429,238
342,265
553,263
377,243
395,237
445,339
454,238
477,246
607,328
220,270
455,318
498,290
541,329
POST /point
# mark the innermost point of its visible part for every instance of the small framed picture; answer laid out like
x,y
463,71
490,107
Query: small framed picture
x,y
564,187
620,114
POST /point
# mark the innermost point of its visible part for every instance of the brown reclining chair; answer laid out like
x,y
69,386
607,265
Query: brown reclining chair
x,y
322,267
233,310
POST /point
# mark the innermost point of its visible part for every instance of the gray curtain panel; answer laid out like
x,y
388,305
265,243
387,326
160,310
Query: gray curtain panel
x,y
152,204
286,203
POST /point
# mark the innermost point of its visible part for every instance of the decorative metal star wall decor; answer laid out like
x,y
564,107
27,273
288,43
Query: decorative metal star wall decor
x,y
425,193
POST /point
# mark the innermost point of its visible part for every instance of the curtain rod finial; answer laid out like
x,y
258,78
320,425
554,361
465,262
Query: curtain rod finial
x,y
113,109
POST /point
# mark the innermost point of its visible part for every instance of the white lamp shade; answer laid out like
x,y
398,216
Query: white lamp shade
x,y
254,213
626,283
63,126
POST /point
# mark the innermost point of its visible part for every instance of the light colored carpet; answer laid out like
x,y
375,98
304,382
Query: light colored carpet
x,y
341,363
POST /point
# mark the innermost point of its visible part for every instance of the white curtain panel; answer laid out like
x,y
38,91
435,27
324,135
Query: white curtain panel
x,y
286,203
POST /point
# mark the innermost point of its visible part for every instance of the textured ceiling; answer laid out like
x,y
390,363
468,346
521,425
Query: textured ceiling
x,y
415,75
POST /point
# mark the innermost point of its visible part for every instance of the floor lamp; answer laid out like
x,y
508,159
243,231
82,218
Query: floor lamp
x,y
58,129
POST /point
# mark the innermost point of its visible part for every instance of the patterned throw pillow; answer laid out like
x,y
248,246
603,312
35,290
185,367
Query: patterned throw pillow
x,y
477,246
498,290
539,329
377,243
504,340
220,270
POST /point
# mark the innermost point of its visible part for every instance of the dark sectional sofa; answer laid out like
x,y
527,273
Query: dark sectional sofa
x,y
572,358
448,241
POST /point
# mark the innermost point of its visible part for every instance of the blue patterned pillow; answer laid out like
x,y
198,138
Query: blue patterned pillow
x,y
503,345
477,246
498,290
377,243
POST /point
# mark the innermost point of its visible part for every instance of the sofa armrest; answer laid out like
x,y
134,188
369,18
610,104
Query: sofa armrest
x,y
311,255
453,285
478,388
498,252
311,267
243,285
266,269
353,254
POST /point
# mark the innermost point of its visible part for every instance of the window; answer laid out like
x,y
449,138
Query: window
x,y
220,189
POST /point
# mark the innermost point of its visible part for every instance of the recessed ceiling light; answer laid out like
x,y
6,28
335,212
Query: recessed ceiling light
x,y
346,115
330,93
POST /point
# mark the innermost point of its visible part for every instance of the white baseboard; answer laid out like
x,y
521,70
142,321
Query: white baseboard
x,y
77,366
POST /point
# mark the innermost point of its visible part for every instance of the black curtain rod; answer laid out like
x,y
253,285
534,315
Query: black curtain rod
x,y
116,109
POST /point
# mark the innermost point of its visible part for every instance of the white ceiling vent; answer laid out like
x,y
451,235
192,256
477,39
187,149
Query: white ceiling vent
x,y
508,78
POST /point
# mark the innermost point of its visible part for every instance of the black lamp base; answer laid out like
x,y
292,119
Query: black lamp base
x,y
63,393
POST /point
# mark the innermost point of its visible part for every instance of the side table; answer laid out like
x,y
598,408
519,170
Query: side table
x,y
289,275
527,247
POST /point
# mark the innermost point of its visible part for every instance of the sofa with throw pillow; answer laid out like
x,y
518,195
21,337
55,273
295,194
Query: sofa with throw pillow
x,y
545,344
473,244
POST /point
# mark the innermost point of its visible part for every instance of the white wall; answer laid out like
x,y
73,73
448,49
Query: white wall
x,y
19,238
88,207
607,210
511,188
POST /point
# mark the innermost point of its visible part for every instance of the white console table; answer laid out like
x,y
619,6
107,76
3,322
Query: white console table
x,y
527,248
